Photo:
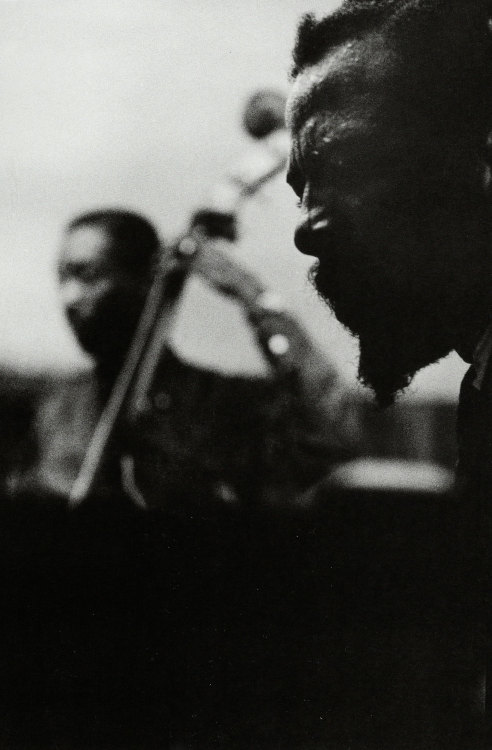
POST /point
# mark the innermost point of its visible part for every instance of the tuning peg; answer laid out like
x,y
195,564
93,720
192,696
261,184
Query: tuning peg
x,y
187,247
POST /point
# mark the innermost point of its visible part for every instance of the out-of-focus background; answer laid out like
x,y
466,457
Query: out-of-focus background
x,y
138,104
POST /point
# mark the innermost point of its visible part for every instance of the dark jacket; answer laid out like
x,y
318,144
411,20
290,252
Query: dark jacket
x,y
208,435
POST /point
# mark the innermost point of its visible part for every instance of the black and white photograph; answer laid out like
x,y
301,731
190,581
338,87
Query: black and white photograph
x,y
245,374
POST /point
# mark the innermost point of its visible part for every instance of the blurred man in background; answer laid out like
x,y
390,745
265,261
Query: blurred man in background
x,y
214,436
390,117
153,627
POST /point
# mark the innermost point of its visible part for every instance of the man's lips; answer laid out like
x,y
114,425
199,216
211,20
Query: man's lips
x,y
83,323
77,317
316,235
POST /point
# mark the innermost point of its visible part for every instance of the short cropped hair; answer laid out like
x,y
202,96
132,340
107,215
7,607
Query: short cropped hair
x,y
435,41
352,19
136,241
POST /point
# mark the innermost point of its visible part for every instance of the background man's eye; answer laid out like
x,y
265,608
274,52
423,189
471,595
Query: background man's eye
x,y
88,274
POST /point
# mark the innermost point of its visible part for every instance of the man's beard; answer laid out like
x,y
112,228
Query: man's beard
x,y
405,316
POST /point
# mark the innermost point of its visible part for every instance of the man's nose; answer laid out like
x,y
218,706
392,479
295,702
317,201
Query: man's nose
x,y
316,221
71,293
311,231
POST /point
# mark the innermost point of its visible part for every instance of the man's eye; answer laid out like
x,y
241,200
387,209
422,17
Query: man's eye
x,y
87,276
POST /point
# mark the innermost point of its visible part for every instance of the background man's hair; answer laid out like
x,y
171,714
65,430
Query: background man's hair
x,y
136,242
444,48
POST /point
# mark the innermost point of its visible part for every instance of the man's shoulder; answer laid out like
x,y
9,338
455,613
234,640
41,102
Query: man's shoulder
x,y
18,383
69,380
20,390
20,395
27,396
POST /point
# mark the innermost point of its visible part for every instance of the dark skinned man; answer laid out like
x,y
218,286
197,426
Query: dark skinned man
x,y
390,117
174,604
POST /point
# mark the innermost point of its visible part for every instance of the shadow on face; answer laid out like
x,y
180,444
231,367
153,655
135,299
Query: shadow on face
x,y
101,299
392,206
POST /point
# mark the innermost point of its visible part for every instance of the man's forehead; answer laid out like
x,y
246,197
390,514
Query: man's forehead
x,y
86,244
349,75
322,133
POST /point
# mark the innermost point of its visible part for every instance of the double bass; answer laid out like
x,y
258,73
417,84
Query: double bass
x,y
199,248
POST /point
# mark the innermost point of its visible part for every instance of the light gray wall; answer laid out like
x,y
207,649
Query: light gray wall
x,y
136,103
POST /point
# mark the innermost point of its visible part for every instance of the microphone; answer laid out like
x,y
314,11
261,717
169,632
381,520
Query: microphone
x,y
264,112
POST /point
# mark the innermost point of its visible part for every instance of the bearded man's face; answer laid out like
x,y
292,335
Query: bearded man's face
x,y
392,208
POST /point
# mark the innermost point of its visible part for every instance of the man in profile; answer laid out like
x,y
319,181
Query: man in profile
x,y
390,114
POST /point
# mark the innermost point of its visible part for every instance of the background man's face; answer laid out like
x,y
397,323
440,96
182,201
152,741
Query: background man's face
x,y
101,300
377,194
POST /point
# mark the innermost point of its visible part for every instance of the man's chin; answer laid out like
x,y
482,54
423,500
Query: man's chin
x,y
385,381
396,339
390,360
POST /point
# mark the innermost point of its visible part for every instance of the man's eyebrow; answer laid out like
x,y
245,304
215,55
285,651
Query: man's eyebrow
x,y
294,177
325,93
